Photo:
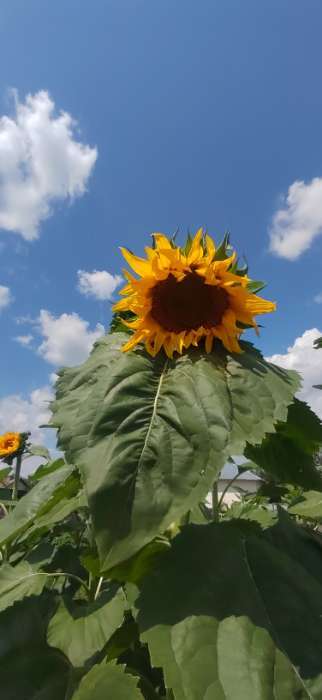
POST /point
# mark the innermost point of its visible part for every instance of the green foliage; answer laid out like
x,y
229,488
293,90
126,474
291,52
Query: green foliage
x,y
117,578
29,668
80,629
117,325
4,473
309,506
45,469
251,629
17,582
36,503
104,682
288,454
38,451
151,435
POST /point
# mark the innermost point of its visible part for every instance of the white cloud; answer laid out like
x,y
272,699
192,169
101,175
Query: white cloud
x,y
21,414
99,284
5,297
318,298
40,162
67,338
24,340
299,222
304,358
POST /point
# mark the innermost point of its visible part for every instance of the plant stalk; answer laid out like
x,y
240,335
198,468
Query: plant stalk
x,y
14,494
230,482
98,589
215,509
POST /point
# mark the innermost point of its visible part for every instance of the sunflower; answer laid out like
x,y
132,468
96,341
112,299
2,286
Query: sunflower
x,y
9,444
185,295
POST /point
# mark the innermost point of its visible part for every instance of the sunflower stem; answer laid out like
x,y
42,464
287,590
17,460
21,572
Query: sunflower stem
x,y
228,485
215,509
14,494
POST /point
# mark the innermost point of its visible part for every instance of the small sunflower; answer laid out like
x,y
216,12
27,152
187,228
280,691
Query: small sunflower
x,y
9,444
184,295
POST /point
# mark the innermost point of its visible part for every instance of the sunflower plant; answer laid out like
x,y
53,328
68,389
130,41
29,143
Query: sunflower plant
x,y
120,576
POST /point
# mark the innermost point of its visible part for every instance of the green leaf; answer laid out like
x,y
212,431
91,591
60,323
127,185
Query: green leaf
x,y
108,681
29,668
255,286
81,630
45,469
38,451
309,507
288,454
18,582
124,638
4,473
250,511
117,325
138,566
233,613
36,502
57,514
91,563
318,343
224,249
151,435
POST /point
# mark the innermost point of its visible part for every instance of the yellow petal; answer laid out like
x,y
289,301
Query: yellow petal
x,y
161,241
257,305
222,266
211,248
122,305
169,346
196,251
134,340
139,265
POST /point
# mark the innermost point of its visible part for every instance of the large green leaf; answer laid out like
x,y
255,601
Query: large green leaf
x,y
288,454
310,506
107,681
18,582
57,514
45,469
151,435
81,630
29,668
39,451
232,614
37,502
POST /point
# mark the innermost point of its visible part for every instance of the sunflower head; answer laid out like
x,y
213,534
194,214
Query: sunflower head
x,y
185,295
10,443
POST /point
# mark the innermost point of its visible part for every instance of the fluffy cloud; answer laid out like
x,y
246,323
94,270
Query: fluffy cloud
x,y
24,340
308,362
5,297
26,414
67,338
299,221
99,284
40,162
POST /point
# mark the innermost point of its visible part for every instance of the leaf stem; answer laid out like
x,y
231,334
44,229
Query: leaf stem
x,y
55,574
228,485
99,585
14,494
215,509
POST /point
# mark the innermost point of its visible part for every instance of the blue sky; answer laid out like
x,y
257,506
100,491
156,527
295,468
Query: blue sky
x,y
203,114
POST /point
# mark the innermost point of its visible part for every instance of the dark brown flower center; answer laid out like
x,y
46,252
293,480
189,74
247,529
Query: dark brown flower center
x,y
179,306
